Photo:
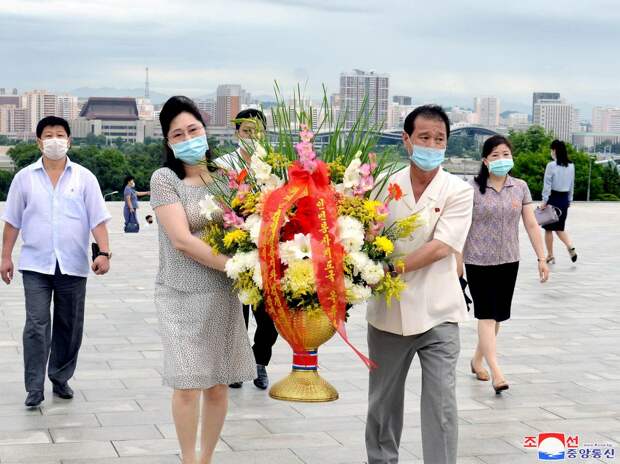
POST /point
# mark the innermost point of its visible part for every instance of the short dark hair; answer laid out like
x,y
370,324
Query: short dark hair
x,y
171,109
561,154
487,148
435,112
127,179
52,121
251,113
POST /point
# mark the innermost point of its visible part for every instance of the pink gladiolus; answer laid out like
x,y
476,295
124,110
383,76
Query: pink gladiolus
x,y
305,135
232,220
374,230
372,157
307,156
383,210
232,179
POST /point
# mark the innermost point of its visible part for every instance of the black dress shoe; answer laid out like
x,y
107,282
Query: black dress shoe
x,y
64,391
262,381
34,399
236,385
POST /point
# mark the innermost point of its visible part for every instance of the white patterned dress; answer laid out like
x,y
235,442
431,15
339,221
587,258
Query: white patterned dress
x,y
200,319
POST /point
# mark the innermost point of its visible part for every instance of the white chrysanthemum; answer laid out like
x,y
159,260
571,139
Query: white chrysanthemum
x,y
296,249
208,207
352,174
257,276
241,262
356,293
351,233
272,183
261,170
253,224
373,273
359,260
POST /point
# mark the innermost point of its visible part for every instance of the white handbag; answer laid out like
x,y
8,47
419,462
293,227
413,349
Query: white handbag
x,y
551,214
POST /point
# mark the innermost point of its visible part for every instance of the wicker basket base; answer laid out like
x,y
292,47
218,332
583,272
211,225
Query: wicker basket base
x,y
303,386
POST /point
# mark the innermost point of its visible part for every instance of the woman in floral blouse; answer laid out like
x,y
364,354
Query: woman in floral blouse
x,y
491,253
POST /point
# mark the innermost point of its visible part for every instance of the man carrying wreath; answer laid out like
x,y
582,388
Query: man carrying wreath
x,y
425,320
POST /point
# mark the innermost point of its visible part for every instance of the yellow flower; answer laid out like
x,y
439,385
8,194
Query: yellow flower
x,y
372,207
299,278
212,236
355,207
390,287
249,203
336,171
249,293
236,236
384,244
407,226
236,202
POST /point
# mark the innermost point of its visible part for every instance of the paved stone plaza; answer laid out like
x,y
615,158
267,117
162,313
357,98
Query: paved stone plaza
x,y
560,353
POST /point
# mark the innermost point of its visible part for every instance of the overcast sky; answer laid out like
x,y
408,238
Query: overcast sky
x,y
430,49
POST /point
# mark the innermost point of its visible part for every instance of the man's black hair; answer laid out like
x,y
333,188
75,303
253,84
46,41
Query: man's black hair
x,y
435,112
249,114
52,121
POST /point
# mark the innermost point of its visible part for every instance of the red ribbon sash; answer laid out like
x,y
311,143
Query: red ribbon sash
x,y
327,253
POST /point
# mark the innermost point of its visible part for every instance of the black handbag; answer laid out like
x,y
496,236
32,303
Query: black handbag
x,y
132,227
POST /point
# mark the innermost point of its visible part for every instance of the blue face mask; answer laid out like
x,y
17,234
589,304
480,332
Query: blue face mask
x,y
427,158
501,167
191,151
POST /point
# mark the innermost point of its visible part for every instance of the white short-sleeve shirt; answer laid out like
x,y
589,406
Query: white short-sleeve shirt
x,y
433,294
55,223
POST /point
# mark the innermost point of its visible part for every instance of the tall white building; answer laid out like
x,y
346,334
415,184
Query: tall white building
x,y
40,104
606,119
67,106
487,109
396,115
359,85
556,116
208,106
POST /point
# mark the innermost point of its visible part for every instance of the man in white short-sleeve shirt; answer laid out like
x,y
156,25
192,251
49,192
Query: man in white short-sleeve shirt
x,y
425,320
55,204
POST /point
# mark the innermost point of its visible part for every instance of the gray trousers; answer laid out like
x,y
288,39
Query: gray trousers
x,y
59,341
438,350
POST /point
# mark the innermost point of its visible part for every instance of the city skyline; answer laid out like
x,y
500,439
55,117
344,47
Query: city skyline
x,y
483,49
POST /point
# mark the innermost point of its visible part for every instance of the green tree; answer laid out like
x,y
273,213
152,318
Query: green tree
x,y
534,140
531,151
5,182
611,179
23,154
531,168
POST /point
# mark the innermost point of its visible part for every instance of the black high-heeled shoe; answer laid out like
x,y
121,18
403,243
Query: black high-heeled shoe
x,y
500,387
573,254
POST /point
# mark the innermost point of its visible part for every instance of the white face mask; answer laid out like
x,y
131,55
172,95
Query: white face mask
x,y
55,149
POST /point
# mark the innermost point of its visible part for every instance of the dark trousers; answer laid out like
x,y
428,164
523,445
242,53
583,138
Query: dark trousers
x,y
60,339
265,336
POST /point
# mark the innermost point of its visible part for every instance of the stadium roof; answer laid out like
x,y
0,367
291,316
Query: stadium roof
x,y
110,109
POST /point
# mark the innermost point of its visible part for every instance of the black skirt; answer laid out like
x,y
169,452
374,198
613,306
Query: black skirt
x,y
559,200
491,289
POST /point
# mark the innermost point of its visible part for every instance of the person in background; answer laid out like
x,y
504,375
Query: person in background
x,y
491,253
56,205
205,342
266,334
425,320
559,185
130,196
